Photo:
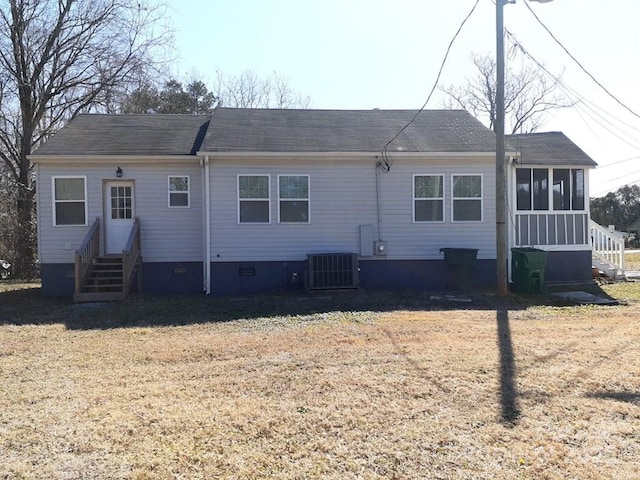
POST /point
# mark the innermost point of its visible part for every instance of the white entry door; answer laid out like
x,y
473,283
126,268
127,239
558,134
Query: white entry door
x,y
118,216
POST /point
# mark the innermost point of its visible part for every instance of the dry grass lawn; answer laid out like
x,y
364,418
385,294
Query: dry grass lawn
x,y
632,261
403,389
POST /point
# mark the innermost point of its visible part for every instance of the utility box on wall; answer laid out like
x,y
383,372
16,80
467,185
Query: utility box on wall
x,y
366,240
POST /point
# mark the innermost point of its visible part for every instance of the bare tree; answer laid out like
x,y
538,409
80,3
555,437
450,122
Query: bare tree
x,y
528,93
248,90
59,58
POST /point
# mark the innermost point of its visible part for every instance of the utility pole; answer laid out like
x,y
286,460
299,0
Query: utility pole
x,y
502,238
502,218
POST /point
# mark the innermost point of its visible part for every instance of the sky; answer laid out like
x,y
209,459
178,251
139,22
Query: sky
x,y
364,54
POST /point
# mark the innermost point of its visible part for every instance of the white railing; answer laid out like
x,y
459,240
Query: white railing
x,y
606,245
557,228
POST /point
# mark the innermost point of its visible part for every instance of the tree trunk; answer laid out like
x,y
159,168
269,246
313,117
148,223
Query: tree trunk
x,y
23,264
25,247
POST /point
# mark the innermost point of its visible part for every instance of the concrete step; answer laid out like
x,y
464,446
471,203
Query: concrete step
x,y
102,287
87,297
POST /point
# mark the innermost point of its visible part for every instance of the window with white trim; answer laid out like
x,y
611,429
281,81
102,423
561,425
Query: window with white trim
x,y
428,198
532,186
254,199
568,189
538,188
293,198
467,198
179,194
69,200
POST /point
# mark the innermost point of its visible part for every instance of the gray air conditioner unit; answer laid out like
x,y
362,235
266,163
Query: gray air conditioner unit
x,y
332,270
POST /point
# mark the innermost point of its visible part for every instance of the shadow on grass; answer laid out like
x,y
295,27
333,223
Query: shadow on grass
x,y
425,373
592,288
628,397
508,388
27,306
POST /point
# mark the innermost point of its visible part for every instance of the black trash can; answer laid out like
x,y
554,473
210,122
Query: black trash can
x,y
460,264
527,269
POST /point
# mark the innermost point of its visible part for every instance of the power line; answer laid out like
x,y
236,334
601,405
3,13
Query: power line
x,y
605,191
435,85
579,64
517,44
625,176
601,116
619,162
601,190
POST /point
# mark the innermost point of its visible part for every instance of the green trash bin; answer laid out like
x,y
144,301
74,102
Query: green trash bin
x,y
460,263
527,269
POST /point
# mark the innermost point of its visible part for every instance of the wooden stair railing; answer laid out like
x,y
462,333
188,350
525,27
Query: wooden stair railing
x,y
86,255
109,277
131,257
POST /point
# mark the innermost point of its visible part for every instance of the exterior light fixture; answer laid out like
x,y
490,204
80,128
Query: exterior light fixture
x,y
119,172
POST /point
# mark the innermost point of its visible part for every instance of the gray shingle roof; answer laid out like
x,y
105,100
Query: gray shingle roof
x,y
271,130
128,135
552,148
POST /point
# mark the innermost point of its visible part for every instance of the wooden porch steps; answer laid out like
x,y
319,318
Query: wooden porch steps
x,y
104,281
607,252
608,269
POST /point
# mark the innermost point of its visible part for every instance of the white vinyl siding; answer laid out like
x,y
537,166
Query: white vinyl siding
x,y
293,199
254,198
466,198
69,200
168,234
343,195
428,198
179,194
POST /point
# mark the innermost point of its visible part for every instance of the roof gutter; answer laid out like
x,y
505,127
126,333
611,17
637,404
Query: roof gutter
x,y
342,155
99,159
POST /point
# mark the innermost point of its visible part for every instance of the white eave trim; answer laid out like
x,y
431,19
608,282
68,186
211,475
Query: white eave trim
x,y
519,164
123,159
343,155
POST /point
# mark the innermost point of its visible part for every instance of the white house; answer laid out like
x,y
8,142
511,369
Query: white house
x,y
249,200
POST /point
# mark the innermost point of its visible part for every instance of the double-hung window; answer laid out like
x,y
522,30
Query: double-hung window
x,y
254,199
69,200
428,198
467,198
179,191
293,197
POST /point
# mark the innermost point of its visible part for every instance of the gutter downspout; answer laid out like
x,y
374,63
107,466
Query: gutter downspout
x,y
207,226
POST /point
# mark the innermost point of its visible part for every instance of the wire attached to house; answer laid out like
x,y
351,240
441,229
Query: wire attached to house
x,y
385,153
620,102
